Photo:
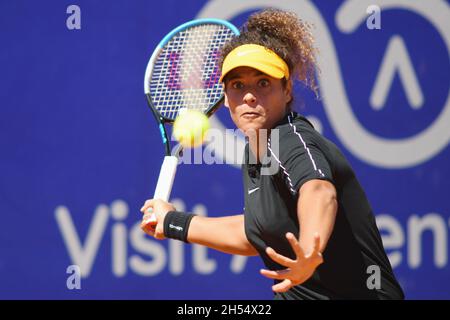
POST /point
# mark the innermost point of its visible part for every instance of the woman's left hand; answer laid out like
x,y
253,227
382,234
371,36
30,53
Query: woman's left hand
x,y
298,270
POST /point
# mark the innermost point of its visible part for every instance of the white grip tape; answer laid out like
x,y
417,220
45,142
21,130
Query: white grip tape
x,y
165,181
166,177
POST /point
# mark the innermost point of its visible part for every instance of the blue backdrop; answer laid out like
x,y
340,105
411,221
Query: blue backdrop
x,y
80,152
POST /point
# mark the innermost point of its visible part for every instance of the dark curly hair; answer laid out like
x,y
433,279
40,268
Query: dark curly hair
x,y
286,35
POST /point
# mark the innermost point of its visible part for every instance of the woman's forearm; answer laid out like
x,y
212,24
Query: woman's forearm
x,y
225,234
317,207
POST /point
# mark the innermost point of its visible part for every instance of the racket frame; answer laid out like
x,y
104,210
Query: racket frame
x,y
168,168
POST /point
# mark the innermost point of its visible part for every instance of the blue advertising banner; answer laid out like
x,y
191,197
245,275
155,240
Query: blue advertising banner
x,y
80,151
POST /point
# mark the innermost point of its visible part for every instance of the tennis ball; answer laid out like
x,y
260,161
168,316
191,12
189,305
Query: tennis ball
x,y
190,128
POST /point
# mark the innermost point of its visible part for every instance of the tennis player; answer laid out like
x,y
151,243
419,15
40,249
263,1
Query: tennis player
x,y
309,220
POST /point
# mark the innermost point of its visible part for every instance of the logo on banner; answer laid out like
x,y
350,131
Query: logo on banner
x,y
149,257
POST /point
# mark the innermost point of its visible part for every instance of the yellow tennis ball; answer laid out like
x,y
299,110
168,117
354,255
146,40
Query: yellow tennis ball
x,y
190,128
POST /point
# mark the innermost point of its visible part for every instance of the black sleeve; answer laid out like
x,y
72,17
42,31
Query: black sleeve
x,y
300,160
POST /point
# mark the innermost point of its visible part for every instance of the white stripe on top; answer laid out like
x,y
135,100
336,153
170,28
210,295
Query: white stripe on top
x,y
281,166
304,146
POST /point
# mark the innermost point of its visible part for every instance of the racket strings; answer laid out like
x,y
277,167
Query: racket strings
x,y
186,73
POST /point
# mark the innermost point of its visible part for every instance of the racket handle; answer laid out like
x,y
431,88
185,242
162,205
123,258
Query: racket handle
x,y
164,185
166,178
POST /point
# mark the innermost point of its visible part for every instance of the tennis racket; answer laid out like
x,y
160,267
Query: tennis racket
x,y
183,73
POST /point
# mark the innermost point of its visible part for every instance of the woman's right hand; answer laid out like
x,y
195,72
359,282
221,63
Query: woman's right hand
x,y
154,211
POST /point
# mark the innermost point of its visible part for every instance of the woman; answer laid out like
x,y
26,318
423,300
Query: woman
x,y
309,220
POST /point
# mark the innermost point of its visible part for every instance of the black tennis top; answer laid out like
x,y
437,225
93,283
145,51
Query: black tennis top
x,y
354,255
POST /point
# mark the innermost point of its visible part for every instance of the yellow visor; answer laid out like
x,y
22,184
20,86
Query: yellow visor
x,y
257,57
